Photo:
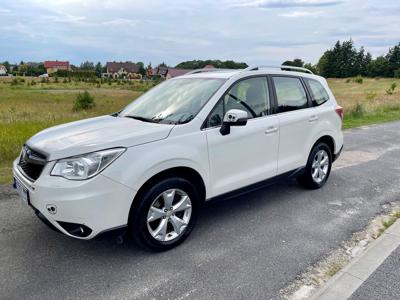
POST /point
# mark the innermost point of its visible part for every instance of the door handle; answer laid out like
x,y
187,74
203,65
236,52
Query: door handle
x,y
271,129
313,119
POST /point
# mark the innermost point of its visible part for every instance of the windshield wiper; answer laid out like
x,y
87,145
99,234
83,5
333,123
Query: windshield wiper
x,y
144,119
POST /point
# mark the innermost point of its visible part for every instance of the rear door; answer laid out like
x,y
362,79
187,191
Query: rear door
x,y
295,121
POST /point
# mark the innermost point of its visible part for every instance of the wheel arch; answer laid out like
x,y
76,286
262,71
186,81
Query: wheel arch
x,y
327,139
187,173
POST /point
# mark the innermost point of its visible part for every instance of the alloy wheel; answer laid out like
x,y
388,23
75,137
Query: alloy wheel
x,y
320,166
169,215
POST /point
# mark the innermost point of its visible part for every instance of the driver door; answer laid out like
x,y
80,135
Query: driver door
x,y
249,153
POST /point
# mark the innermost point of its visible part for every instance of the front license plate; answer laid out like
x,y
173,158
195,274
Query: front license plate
x,y
22,190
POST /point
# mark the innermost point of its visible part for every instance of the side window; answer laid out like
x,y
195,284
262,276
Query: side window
x,y
217,115
290,93
318,92
250,95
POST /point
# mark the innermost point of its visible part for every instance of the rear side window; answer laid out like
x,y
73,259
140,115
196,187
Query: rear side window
x,y
290,93
318,92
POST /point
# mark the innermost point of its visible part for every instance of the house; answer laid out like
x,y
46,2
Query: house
x,y
53,66
150,72
172,72
3,70
122,70
168,73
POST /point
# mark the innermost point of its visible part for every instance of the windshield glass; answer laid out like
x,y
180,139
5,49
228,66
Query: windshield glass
x,y
174,101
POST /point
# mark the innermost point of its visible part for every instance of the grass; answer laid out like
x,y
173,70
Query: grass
x,y
27,108
367,102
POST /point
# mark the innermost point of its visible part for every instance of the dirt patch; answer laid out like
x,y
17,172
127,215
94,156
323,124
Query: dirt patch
x,y
316,275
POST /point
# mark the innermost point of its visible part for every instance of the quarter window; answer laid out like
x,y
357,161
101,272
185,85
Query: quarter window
x,y
290,94
250,95
318,92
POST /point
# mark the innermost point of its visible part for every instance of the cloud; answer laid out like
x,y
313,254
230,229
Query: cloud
x,y
121,22
255,31
65,18
284,3
298,14
4,11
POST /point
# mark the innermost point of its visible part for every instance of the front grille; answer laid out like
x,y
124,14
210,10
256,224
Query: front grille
x,y
31,163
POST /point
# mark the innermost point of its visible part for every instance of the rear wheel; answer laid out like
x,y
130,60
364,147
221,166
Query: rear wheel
x,y
318,167
165,215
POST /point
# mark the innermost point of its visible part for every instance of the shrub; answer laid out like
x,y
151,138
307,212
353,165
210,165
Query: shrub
x,y
65,80
357,111
14,81
391,89
358,79
397,73
371,95
348,80
84,101
56,79
33,82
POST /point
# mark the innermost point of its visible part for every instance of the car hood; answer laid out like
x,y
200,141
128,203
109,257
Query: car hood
x,y
95,134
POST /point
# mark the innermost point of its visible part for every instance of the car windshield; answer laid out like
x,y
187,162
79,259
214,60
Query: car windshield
x,y
174,101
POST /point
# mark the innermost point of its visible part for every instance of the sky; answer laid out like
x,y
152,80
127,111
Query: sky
x,y
252,31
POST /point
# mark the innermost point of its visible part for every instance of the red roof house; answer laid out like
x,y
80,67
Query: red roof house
x,y
53,66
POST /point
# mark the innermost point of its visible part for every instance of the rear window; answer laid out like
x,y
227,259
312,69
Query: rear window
x,y
318,92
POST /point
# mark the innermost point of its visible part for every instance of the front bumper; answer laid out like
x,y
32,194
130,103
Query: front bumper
x,y
80,209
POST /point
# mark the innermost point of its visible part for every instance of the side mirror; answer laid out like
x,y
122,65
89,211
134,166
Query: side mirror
x,y
233,117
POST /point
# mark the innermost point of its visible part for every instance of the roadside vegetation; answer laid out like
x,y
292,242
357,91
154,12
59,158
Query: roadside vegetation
x,y
27,108
367,100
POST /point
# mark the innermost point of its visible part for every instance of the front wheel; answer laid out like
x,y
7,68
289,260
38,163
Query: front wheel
x,y
318,167
165,215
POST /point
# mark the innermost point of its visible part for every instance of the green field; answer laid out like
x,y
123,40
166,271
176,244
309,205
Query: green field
x,y
26,109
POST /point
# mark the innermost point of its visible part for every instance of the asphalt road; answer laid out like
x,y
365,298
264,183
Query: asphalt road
x,y
243,248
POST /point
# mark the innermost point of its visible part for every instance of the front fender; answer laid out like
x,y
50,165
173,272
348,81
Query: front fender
x,y
138,164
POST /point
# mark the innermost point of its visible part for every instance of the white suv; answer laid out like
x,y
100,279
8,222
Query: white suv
x,y
207,134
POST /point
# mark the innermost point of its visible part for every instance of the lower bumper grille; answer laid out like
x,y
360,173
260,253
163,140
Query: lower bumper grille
x,y
31,163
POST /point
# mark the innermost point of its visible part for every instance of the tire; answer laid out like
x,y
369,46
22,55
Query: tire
x,y
166,225
320,177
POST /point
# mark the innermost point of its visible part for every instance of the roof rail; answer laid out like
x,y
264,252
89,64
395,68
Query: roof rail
x,y
196,71
282,67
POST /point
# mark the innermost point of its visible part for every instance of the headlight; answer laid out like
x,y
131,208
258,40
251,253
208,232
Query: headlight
x,y
87,165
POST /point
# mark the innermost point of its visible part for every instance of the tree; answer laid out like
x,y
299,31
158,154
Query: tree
x,y
98,69
378,67
142,70
393,60
297,62
343,60
87,66
22,68
311,67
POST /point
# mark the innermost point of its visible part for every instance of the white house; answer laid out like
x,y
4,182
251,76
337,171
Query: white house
x,y
3,70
